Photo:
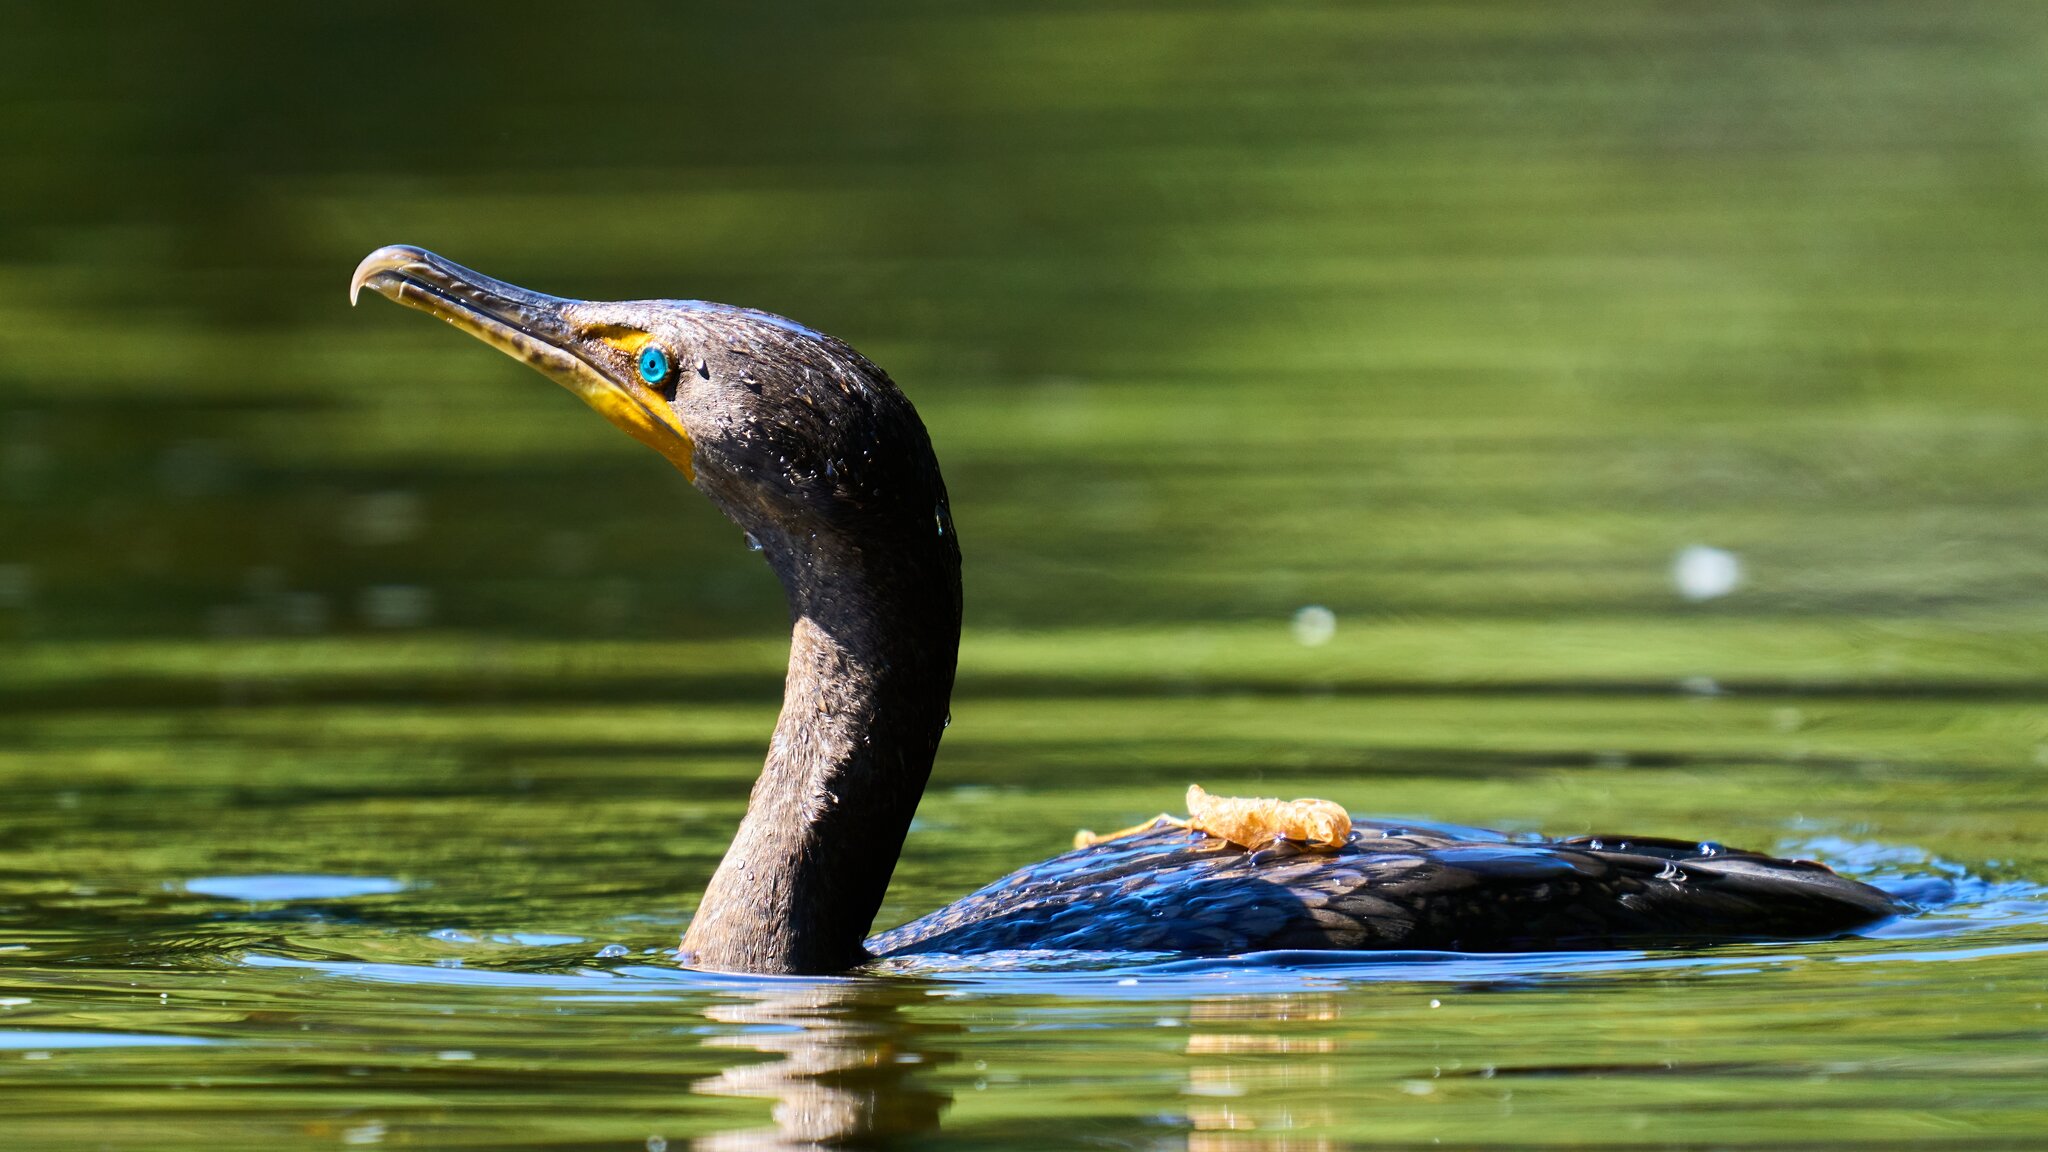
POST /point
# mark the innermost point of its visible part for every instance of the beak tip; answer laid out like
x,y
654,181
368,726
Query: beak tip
x,y
389,258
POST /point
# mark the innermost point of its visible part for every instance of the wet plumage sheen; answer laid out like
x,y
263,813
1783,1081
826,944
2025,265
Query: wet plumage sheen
x,y
820,459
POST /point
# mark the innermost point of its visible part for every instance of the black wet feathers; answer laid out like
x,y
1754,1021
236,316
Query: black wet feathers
x,y
1393,886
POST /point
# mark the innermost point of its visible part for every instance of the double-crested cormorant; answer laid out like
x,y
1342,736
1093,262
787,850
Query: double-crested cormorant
x,y
814,453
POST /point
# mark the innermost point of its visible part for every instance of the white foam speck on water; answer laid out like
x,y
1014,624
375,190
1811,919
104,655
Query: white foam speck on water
x,y
1313,626
1702,572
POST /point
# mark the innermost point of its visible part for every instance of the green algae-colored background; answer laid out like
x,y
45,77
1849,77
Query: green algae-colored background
x,y
1460,321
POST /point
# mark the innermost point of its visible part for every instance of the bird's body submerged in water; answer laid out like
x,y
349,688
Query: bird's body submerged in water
x,y
1408,886
814,452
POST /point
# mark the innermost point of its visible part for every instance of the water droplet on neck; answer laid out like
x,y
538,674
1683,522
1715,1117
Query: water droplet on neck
x,y
753,542
948,721
1710,848
939,517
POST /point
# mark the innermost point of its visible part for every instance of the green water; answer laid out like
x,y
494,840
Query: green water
x,y
358,688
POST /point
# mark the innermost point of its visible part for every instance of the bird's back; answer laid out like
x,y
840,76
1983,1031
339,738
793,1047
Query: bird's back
x,y
1393,886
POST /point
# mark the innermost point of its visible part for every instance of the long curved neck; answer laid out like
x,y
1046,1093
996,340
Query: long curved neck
x,y
873,645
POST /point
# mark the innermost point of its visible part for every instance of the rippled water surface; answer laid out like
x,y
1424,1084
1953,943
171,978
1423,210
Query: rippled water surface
x,y
1603,420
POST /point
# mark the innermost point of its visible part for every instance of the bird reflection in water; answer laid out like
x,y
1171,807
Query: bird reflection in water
x,y
1257,1088
849,1068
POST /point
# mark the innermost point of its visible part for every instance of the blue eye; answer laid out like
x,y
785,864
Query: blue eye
x,y
653,364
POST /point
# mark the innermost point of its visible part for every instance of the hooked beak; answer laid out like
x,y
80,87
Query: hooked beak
x,y
530,327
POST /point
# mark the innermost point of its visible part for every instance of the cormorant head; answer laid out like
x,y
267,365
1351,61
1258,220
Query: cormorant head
x,y
792,433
